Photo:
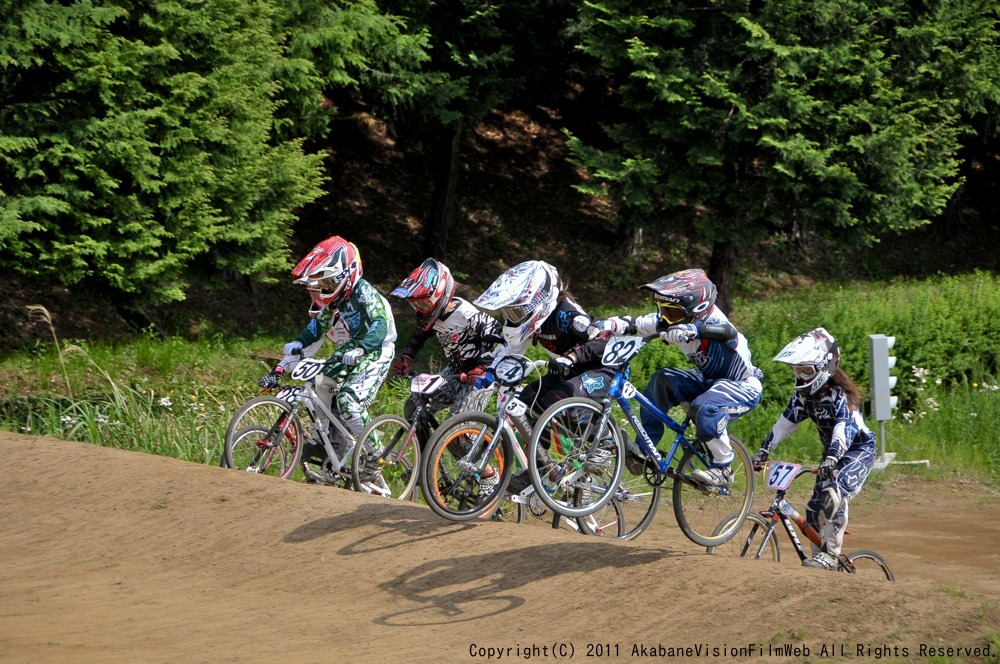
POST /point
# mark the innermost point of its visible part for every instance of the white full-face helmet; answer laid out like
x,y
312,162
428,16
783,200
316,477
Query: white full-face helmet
x,y
814,357
524,296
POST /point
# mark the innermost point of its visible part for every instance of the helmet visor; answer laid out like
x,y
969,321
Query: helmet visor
x,y
517,314
671,313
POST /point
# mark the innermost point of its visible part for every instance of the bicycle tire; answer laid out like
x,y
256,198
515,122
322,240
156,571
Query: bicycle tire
x,y
451,491
399,455
640,502
608,521
869,564
250,442
511,512
747,540
704,514
567,427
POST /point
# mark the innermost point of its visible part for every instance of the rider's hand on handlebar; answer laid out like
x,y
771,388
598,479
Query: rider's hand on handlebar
x,y
270,380
352,357
469,377
677,334
400,366
605,329
561,367
759,459
825,470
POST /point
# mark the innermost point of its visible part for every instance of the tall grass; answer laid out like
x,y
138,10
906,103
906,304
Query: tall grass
x,y
175,397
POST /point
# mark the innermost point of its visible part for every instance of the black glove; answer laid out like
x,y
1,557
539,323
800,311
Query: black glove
x,y
561,367
826,468
759,459
269,381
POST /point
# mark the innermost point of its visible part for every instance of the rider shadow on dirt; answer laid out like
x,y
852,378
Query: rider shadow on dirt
x,y
479,585
394,525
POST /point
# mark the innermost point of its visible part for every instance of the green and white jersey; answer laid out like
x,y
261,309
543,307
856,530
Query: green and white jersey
x,y
364,320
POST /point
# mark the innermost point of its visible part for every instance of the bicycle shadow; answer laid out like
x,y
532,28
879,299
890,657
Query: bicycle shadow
x,y
478,586
395,528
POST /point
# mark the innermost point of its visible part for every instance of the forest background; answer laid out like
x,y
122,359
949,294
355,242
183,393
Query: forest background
x,y
162,164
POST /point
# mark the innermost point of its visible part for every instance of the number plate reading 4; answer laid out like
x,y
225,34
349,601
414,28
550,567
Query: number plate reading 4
x,y
780,474
620,350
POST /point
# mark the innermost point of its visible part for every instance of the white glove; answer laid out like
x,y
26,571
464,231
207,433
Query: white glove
x,y
605,329
680,334
352,357
292,347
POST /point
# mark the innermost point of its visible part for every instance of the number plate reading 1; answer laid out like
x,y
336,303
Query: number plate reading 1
x,y
307,369
620,350
426,384
628,390
517,408
780,474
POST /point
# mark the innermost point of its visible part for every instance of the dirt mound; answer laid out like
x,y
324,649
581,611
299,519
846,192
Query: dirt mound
x,y
109,555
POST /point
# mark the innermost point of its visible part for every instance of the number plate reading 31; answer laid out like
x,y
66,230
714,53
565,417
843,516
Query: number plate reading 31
x,y
620,350
781,474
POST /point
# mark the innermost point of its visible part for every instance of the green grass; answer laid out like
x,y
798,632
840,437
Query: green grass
x,y
175,396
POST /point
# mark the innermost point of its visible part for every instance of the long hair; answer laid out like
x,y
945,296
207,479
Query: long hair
x,y
854,394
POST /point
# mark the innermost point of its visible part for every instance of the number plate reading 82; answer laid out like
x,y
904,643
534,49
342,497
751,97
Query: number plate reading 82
x,y
620,350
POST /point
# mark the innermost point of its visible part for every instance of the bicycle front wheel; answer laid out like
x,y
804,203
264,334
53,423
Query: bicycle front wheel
x,y
705,513
747,540
265,436
451,481
608,521
871,565
640,502
394,440
584,469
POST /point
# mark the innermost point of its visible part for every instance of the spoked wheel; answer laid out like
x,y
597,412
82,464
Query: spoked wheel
x,y
639,501
746,542
451,480
700,509
265,436
608,521
398,457
871,565
581,462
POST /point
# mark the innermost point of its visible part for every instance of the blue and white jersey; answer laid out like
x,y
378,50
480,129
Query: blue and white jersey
x,y
715,360
840,427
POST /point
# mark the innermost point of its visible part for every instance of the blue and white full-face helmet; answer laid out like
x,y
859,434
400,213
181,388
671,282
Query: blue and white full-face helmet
x,y
523,296
814,357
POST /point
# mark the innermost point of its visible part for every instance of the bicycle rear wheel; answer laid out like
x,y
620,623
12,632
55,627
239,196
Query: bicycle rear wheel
x,y
451,483
265,436
871,565
705,513
747,540
398,455
567,431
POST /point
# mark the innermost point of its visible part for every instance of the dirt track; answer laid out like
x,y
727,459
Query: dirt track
x,y
113,556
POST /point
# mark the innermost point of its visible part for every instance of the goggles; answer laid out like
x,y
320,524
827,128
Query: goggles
x,y
422,305
804,372
515,315
671,313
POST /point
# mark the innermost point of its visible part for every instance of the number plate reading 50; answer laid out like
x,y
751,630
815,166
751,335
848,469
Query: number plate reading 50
x,y
307,369
780,475
620,350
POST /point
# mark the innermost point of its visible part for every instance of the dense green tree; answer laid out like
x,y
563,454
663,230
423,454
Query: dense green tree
x,y
741,120
138,143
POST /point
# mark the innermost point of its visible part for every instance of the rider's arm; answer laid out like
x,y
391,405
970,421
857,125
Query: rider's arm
x,y
375,312
785,426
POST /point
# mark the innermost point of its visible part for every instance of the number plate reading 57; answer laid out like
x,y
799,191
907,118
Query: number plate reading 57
x,y
780,475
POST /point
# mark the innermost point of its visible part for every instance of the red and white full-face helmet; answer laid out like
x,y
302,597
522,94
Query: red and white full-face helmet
x,y
814,356
683,297
524,296
329,272
428,289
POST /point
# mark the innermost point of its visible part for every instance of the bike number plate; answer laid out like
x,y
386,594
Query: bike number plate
x,y
290,394
426,384
307,369
780,474
510,370
620,350
516,407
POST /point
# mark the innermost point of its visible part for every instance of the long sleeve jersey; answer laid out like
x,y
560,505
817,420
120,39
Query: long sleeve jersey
x,y
364,320
840,427
463,334
714,359
565,330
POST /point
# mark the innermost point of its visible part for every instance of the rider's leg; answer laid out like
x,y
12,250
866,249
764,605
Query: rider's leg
x,y
827,510
666,389
711,412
